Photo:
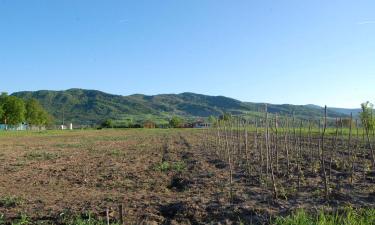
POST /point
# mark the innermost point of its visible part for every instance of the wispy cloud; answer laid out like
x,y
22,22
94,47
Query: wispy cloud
x,y
366,22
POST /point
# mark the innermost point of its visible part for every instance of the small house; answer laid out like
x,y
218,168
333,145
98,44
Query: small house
x,y
201,124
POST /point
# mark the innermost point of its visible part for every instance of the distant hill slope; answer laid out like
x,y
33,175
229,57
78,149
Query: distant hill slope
x,y
91,106
355,112
343,111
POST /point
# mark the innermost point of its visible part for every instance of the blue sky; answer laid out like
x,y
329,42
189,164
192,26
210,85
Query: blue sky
x,y
298,52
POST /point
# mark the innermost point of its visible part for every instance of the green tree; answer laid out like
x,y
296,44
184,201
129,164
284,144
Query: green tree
x,y
225,117
366,115
2,101
13,110
176,122
368,123
1,111
212,120
35,113
108,124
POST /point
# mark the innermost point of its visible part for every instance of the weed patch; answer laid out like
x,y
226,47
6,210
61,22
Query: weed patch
x,y
346,216
167,166
10,202
41,156
116,153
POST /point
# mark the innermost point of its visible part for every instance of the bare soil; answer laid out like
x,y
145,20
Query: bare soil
x,y
159,176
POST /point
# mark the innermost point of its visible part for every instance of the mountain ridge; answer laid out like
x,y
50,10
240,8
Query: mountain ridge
x,y
93,106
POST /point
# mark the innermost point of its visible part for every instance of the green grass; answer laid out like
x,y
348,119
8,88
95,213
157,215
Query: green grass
x,y
71,145
85,219
10,201
24,220
167,166
88,221
41,156
78,220
347,216
116,153
44,133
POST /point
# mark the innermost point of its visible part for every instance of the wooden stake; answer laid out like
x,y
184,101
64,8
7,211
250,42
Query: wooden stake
x,y
107,215
323,154
120,214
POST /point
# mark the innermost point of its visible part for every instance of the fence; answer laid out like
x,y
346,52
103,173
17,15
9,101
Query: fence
x,y
13,127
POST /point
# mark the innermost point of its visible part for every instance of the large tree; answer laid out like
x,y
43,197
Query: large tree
x,y
1,111
2,101
176,122
212,120
225,117
13,110
108,124
366,115
35,114
368,123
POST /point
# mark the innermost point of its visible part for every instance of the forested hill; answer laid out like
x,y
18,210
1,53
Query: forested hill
x,y
90,106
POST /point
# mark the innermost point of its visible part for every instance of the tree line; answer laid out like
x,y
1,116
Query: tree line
x,y
15,111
